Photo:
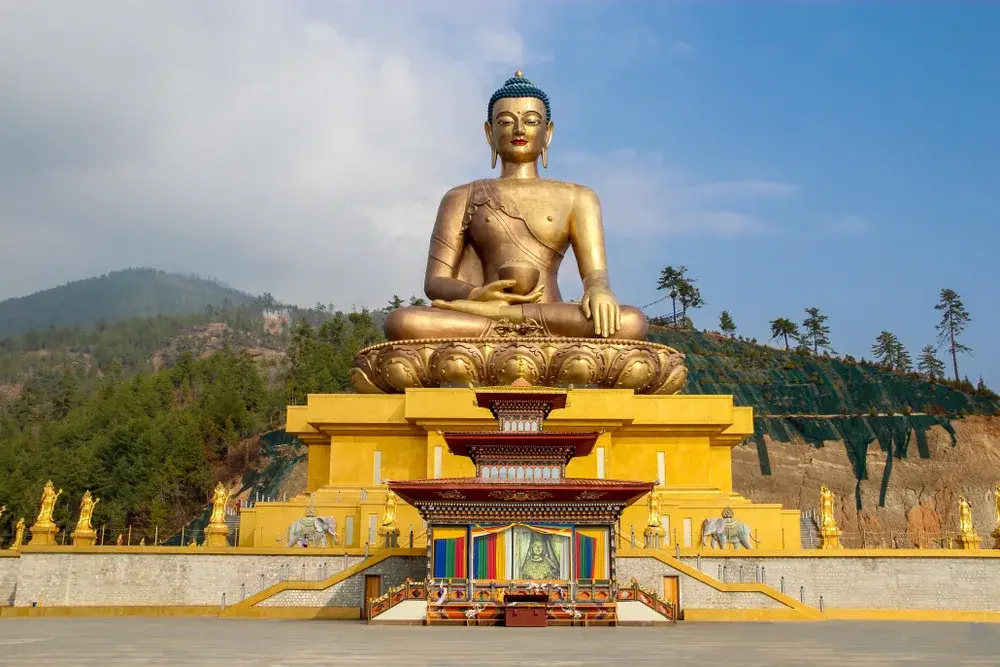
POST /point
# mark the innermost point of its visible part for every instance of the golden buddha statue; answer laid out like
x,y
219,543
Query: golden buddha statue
x,y
492,273
827,519
389,511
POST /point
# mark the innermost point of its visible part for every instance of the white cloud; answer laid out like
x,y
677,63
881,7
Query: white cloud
x,y
849,224
277,145
642,196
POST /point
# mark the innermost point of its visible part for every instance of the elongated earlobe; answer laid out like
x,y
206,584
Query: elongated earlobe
x,y
545,158
493,158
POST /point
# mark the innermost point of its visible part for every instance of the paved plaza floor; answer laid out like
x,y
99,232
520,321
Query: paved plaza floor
x,y
179,642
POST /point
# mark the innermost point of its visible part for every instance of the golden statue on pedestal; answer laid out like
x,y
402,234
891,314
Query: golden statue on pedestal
x,y
217,531
829,534
967,538
87,504
492,273
18,535
84,533
44,530
654,525
389,529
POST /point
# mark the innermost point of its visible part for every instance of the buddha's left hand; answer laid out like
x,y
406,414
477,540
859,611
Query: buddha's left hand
x,y
601,306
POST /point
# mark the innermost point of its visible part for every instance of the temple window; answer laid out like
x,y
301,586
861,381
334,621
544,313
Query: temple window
x,y
529,474
494,473
377,469
547,473
503,473
600,463
661,468
538,473
555,473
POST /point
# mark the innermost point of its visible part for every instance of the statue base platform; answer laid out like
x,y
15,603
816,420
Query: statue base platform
x,y
43,535
829,538
967,541
653,536
217,535
390,537
84,538
394,367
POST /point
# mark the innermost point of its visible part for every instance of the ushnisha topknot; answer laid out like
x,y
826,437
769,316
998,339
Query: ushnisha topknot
x,y
518,86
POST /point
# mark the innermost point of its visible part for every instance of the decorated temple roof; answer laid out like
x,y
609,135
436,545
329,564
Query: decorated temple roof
x,y
468,489
563,444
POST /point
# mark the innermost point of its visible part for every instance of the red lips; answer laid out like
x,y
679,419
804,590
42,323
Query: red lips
x,y
519,142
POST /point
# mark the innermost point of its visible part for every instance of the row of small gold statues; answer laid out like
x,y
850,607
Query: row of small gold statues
x,y
44,530
829,534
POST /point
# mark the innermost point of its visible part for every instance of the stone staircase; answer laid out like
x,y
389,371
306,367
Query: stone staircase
x,y
809,529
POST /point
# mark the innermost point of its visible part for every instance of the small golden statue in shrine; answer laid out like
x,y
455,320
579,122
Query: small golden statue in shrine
x,y
217,531
967,538
84,533
996,531
829,534
44,530
119,540
18,535
491,277
389,529
654,525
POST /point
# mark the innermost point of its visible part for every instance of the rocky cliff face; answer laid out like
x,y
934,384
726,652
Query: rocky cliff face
x,y
921,505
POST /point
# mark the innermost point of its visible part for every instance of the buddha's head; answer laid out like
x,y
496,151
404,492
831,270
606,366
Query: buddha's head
x,y
537,546
519,122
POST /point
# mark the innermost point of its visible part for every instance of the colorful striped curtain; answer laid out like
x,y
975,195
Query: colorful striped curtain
x,y
489,554
449,552
590,551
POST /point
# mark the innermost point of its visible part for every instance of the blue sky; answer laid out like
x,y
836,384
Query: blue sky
x,y
883,118
838,155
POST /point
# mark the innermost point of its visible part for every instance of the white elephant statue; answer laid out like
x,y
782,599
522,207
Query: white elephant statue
x,y
312,531
725,531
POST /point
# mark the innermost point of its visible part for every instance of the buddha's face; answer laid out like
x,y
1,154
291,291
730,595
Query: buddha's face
x,y
537,548
519,129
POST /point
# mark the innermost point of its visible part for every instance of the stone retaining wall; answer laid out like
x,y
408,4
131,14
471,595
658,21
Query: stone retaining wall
x,y
115,578
9,566
348,593
965,583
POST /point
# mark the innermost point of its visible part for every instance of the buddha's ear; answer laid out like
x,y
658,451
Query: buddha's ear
x,y
550,127
488,129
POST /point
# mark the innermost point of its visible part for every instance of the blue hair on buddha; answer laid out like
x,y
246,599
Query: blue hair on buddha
x,y
518,86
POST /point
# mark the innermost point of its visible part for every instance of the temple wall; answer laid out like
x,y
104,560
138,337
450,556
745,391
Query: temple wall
x,y
889,581
9,567
133,578
348,593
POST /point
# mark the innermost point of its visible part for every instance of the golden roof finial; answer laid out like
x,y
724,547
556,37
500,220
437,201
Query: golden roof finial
x,y
518,73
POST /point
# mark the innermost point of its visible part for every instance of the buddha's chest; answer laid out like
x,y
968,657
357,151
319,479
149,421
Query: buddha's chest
x,y
501,217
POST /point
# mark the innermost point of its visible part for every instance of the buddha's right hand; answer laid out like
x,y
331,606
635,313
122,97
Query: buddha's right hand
x,y
494,291
494,310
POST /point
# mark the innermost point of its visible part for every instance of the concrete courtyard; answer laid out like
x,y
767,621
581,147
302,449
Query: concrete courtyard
x,y
178,642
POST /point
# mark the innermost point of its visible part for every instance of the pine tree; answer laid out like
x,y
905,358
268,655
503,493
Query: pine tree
x,y
726,324
395,302
784,328
816,332
681,289
901,360
417,301
929,364
954,319
884,349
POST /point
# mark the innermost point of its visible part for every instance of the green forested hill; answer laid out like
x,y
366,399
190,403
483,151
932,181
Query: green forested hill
x,y
115,296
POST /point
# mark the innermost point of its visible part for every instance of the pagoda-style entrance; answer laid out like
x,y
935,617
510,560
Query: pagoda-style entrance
x,y
520,542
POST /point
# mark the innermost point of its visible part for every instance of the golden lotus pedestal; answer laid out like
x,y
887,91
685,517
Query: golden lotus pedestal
x,y
84,538
394,367
43,535
390,536
217,535
967,541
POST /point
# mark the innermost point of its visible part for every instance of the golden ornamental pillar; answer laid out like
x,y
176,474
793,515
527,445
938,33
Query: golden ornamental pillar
x,y
217,531
829,533
967,538
44,530
996,531
84,534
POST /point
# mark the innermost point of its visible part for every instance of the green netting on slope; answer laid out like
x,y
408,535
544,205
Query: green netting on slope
x,y
282,453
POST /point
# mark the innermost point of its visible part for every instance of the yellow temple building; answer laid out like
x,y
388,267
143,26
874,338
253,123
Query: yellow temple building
x,y
358,442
